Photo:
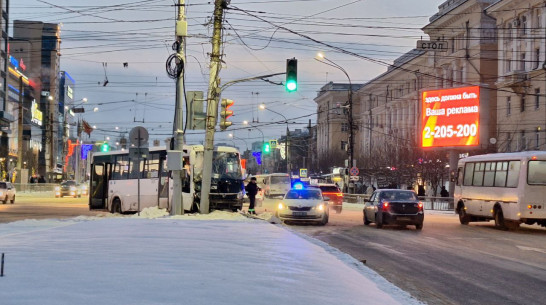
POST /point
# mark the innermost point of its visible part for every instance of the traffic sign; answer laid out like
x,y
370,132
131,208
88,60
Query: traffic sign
x,y
354,171
303,172
139,136
355,178
273,144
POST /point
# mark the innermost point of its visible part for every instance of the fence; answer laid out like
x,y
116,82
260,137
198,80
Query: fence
x,y
35,187
430,203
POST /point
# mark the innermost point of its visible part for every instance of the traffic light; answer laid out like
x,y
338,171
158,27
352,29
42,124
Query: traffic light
x,y
105,147
291,75
225,114
267,148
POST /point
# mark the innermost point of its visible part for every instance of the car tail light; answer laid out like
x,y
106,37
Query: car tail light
x,y
420,205
385,205
339,194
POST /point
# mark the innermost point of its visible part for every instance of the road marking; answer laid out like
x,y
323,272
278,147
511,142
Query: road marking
x,y
523,248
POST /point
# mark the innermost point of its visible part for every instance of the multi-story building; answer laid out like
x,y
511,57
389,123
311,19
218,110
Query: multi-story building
x,y
43,63
67,127
332,124
5,117
521,109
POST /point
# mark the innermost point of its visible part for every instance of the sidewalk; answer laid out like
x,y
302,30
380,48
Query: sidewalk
x,y
219,258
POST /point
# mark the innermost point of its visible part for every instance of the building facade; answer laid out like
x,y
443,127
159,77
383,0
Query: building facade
x,y
521,83
44,67
5,116
332,124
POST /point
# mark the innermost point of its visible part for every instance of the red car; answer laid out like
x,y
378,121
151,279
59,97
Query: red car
x,y
334,193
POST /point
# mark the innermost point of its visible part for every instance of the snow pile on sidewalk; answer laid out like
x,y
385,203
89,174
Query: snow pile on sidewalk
x,y
225,258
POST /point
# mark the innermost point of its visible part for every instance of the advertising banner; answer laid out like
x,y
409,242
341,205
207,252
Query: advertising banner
x,y
450,117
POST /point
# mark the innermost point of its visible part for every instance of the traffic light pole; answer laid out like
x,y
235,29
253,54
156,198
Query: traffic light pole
x,y
177,207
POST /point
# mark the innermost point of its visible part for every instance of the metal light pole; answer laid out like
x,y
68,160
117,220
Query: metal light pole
x,y
263,141
288,169
350,106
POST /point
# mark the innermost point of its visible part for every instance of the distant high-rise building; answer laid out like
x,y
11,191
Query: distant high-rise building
x,y
44,68
5,117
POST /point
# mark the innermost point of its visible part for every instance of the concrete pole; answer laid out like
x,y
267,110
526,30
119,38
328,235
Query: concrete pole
x,y
177,207
213,98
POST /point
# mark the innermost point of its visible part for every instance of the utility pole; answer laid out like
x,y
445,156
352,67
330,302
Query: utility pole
x,y
20,131
181,30
213,98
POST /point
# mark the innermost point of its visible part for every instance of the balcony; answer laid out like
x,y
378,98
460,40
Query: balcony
x,y
517,80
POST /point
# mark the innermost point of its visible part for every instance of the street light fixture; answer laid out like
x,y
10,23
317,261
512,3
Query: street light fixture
x,y
322,59
288,169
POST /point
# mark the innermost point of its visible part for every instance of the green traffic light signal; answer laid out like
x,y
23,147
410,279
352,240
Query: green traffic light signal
x,y
267,148
105,147
291,75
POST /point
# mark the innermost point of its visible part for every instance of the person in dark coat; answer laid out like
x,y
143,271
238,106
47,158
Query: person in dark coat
x,y
444,192
251,190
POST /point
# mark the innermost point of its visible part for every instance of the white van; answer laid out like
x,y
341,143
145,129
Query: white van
x,y
277,184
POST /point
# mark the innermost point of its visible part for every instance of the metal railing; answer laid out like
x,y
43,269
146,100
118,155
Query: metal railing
x,y
35,187
430,203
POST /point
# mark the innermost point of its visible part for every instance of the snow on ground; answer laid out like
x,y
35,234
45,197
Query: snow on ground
x,y
223,258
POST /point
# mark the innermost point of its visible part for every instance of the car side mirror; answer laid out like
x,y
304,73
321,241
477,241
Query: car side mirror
x,y
326,198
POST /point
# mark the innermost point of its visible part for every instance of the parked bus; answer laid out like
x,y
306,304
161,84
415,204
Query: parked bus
x,y
277,184
114,176
509,188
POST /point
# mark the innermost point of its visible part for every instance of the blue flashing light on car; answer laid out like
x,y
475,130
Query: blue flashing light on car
x,y
298,186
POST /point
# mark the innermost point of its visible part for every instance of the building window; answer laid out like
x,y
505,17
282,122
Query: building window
x,y
344,127
537,140
508,106
523,25
537,57
537,98
523,141
522,105
343,145
522,62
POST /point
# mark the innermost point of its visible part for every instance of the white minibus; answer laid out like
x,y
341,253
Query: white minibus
x,y
509,188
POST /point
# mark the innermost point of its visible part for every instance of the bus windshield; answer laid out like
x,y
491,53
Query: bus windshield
x,y
280,180
227,165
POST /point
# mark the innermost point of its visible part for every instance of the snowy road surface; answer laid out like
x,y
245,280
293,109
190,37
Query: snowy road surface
x,y
220,258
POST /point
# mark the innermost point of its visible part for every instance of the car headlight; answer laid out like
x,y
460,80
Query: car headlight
x,y
57,188
281,206
1,193
240,195
320,207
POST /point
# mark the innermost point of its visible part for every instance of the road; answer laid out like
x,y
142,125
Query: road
x,y
43,206
445,263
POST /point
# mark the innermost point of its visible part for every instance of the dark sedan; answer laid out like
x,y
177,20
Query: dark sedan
x,y
393,206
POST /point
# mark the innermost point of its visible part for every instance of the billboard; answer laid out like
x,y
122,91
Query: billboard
x,y
450,117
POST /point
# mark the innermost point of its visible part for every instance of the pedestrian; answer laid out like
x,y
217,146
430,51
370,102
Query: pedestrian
x,y
251,190
444,192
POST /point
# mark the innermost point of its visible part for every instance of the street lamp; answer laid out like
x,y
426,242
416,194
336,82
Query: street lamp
x,y
322,59
237,138
263,141
262,107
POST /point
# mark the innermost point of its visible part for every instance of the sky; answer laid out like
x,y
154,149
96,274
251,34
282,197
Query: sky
x,y
217,258
99,36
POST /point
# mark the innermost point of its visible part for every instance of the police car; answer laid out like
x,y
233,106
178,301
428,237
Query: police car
x,y
303,204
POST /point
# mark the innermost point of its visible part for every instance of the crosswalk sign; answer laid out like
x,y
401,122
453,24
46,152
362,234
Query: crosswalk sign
x,y
273,144
303,172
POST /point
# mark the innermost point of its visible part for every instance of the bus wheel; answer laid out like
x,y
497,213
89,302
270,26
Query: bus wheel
x,y
116,206
464,219
499,219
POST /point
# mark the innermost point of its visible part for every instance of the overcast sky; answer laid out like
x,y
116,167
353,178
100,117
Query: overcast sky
x,y
141,32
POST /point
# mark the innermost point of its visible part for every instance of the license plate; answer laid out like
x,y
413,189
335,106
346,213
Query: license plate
x,y
403,218
299,213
